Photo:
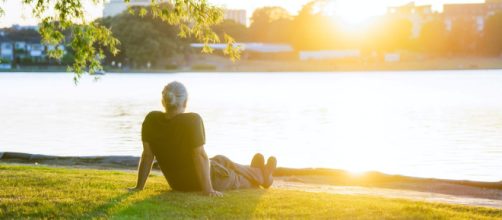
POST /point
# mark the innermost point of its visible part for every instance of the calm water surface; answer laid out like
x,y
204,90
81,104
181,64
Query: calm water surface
x,y
445,124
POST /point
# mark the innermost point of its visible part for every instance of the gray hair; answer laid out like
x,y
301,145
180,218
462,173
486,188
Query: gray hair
x,y
174,95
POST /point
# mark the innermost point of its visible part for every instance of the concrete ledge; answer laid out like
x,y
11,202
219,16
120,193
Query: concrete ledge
x,y
114,161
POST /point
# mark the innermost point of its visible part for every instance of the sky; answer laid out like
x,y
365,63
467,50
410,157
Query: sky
x,y
16,13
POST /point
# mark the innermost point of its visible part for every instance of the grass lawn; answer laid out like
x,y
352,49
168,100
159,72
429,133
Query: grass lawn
x,y
45,192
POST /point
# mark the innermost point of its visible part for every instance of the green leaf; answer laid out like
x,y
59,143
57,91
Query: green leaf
x,y
89,40
142,12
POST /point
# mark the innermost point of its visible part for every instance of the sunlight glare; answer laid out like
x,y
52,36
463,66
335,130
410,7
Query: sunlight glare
x,y
357,173
354,12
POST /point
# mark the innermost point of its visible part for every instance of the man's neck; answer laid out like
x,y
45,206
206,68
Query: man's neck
x,y
173,113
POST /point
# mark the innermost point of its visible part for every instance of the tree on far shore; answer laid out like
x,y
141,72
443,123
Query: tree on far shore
x,y
433,38
270,24
313,30
143,40
238,31
389,34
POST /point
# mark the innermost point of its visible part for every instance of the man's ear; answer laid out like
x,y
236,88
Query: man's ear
x,y
164,103
185,103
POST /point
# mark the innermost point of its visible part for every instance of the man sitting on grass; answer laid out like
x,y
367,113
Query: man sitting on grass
x,y
176,139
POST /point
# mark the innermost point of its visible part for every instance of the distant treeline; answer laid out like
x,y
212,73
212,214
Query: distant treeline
x,y
148,42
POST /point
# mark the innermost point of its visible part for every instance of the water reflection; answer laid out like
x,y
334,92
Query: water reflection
x,y
431,124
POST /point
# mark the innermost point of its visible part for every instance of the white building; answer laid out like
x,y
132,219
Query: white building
x,y
417,15
392,57
6,50
329,54
115,7
237,15
24,27
251,47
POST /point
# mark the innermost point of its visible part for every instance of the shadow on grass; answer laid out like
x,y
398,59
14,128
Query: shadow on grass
x,y
175,205
103,210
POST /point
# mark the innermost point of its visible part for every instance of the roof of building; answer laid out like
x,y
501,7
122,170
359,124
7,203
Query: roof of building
x,y
410,8
472,9
253,47
4,39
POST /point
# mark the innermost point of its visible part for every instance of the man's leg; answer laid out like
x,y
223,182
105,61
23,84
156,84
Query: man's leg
x,y
226,175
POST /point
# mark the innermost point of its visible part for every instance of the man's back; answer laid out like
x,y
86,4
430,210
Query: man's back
x,y
172,142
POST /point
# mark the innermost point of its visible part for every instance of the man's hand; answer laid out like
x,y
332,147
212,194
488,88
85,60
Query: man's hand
x,y
213,193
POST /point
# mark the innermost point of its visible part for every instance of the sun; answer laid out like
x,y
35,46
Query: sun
x,y
354,12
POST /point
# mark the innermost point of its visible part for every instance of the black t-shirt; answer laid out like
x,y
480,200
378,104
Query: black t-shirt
x,y
172,142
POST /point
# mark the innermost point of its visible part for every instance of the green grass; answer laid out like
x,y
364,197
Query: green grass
x,y
44,192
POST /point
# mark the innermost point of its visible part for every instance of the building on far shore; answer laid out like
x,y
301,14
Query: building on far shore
x,y
253,47
22,45
115,7
417,15
18,27
329,54
253,50
6,49
237,15
476,12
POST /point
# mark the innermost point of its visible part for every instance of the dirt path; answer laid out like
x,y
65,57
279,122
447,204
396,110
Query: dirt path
x,y
390,193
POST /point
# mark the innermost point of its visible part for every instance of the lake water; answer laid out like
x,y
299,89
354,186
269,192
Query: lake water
x,y
443,124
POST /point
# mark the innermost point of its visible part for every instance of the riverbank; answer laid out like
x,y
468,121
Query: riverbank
x,y
212,63
67,193
454,63
488,193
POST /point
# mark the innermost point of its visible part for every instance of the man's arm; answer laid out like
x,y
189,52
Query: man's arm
x,y
145,166
203,173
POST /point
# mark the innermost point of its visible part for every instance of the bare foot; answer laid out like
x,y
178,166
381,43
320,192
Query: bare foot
x,y
268,172
258,161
